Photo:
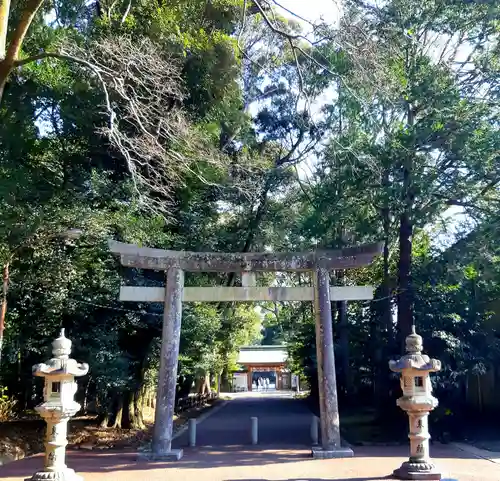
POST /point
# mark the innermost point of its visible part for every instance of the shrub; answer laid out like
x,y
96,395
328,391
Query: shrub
x,y
7,405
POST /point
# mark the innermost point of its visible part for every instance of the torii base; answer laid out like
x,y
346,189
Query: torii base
x,y
418,471
320,453
172,455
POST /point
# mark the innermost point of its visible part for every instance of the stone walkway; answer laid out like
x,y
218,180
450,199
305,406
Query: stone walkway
x,y
283,421
282,456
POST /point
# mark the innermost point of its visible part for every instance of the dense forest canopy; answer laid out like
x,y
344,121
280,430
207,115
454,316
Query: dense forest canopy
x,y
237,126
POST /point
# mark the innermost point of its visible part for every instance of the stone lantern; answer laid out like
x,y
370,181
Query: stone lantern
x,y
417,401
58,407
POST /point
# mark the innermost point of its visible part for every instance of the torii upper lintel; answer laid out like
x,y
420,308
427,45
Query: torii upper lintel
x,y
161,259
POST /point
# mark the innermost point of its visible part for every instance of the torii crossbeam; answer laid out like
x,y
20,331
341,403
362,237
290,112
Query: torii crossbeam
x,y
318,263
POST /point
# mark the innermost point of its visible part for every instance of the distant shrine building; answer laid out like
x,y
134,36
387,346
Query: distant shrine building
x,y
265,362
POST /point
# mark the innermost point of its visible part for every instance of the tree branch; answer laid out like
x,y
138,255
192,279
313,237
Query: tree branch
x,y
272,26
27,16
63,56
4,26
127,11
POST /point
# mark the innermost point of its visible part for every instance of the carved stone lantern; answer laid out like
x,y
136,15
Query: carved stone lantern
x,y
58,407
417,401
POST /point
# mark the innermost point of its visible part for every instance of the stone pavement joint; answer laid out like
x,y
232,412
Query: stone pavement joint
x,y
493,456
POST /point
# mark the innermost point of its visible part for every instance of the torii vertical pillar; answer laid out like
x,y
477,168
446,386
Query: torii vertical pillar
x,y
327,379
167,378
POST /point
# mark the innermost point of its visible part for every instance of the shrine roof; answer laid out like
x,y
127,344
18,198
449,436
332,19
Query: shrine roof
x,y
262,355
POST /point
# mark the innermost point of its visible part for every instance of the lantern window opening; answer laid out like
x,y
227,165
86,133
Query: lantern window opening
x,y
56,387
419,381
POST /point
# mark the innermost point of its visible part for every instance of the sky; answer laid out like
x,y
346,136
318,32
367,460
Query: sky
x,y
313,9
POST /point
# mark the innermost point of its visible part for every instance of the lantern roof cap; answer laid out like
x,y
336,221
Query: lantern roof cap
x,y
61,365
414,359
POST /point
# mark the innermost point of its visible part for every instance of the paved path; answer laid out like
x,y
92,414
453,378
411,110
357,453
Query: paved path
x,y
231,459
284,422
231,464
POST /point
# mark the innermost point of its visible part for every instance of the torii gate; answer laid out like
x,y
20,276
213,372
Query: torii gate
x,y
319,263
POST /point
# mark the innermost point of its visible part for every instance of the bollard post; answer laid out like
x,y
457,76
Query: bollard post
x,y
315,430
255,430
192,432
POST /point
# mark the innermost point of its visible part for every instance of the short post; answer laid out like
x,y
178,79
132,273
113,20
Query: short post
x,y
255,430
314,430
417,401
192,432
58,407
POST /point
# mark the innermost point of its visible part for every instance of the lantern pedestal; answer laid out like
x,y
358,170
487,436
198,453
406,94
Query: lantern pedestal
x,y
57,409
409,470
55,445
61,475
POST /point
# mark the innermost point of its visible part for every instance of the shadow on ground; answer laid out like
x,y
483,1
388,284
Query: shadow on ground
x,y
210,458
336,479
322,479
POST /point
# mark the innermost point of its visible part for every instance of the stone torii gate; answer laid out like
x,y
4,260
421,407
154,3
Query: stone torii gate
x,y
318,263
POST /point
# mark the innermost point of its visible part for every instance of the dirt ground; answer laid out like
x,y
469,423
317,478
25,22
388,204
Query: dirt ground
x,y
24,437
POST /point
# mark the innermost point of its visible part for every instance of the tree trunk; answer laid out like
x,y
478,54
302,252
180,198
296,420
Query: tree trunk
x,y
203,383
9,55
5,70
130,418
184,387
405,298
384,335
3,309
104,421
253,226
136,408
224,379
134,414
127,416
386,281
217,382
105,410
86,396
199,384
4,26
119,412
405,294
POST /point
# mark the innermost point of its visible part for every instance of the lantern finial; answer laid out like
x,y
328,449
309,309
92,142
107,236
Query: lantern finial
x,y
61,347
414,343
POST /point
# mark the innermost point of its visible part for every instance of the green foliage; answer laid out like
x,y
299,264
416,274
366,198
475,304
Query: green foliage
x,y
398,131
7,406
